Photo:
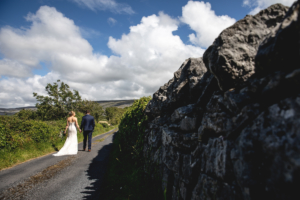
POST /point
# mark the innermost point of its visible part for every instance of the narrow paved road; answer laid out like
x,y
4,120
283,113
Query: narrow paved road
x,y
64,177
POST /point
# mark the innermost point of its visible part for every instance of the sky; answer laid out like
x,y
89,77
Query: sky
x,y
106,49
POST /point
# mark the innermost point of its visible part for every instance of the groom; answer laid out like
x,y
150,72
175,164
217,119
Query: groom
x,y
87,125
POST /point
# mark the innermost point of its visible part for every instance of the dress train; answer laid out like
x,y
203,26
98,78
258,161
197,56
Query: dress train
x,y
71,144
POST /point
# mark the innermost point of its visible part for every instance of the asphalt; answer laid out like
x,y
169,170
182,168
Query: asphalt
x,y
64,177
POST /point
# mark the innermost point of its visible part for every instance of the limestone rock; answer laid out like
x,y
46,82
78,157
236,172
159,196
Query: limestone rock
x,y
216,121
240,140
280,50
181,112
231,57
180,90
209,188
188,124
268,162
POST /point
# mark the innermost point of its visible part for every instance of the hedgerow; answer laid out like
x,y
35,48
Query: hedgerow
x,y
126,178
16,132
132,128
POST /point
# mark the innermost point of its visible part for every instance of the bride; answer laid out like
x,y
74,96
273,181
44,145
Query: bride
x,y
71,144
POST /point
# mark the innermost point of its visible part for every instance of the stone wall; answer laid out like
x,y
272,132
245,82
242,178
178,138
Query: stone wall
x,y
227,126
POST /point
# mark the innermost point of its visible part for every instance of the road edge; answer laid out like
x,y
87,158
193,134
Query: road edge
x,y
102,135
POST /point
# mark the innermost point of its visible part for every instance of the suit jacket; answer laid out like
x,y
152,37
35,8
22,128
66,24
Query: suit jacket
x,y
87,123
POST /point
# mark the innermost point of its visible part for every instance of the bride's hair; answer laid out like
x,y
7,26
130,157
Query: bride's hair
x,y
71,113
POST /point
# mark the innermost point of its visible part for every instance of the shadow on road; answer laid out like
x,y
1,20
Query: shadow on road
x,y
96,172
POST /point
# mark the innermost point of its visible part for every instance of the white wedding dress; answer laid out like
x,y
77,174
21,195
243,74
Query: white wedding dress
x,y
71,144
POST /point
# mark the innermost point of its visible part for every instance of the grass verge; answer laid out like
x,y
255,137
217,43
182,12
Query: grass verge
x,y
33,150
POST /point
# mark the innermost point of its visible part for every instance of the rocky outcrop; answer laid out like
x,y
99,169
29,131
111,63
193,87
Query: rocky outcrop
x,y
228,126
282,45
231,57
181,90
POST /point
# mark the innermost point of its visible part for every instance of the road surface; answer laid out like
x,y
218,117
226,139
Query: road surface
x,y
64,177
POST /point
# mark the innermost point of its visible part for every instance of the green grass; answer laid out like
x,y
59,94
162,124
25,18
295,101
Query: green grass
x,y
125,179
30,150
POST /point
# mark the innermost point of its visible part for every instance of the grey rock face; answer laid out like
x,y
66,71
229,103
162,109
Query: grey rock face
x,y
268,162
241,143
181,112
283,41
231,57
188,124
179,91
210,188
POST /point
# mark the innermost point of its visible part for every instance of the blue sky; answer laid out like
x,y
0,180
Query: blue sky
x,y
95,24
106,49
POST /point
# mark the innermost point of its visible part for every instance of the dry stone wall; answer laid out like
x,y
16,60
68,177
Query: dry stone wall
x,y
227,126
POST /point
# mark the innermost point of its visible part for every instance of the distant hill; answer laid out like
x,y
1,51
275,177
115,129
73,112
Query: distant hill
x,y
104,104
11,111
116,103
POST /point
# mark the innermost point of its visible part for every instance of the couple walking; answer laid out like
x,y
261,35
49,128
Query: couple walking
x,y
71,144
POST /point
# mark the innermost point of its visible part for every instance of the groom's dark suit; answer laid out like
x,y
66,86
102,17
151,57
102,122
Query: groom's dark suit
x,y
87,125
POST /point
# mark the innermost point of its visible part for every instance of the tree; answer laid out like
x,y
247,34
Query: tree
x,y
58,103
94,107
114,114
61,100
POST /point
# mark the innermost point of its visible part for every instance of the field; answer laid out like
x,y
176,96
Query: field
x,y
104,104
11,111
116,103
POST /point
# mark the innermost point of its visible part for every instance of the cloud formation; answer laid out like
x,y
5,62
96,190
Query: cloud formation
x,y
12,68
144,59
258,5
50,36
203,20
111,21
110,5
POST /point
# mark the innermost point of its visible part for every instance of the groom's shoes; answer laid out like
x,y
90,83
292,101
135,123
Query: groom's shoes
x,y
89,150
84,149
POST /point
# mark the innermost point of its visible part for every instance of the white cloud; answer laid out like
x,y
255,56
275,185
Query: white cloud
x,y
145,59
50,35
13,68
151,51
203,20
258,5
111,21
110,5
16,92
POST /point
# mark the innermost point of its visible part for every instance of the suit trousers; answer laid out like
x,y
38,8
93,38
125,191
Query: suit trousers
x,y
87,135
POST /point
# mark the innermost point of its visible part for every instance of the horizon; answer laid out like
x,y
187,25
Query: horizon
x,y
110,50
98,101
105,104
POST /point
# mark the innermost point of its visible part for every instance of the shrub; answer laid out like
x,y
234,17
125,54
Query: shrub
x,y
126,163
27,114
94,107
132,128
114,114
99,127
105,125
15,132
